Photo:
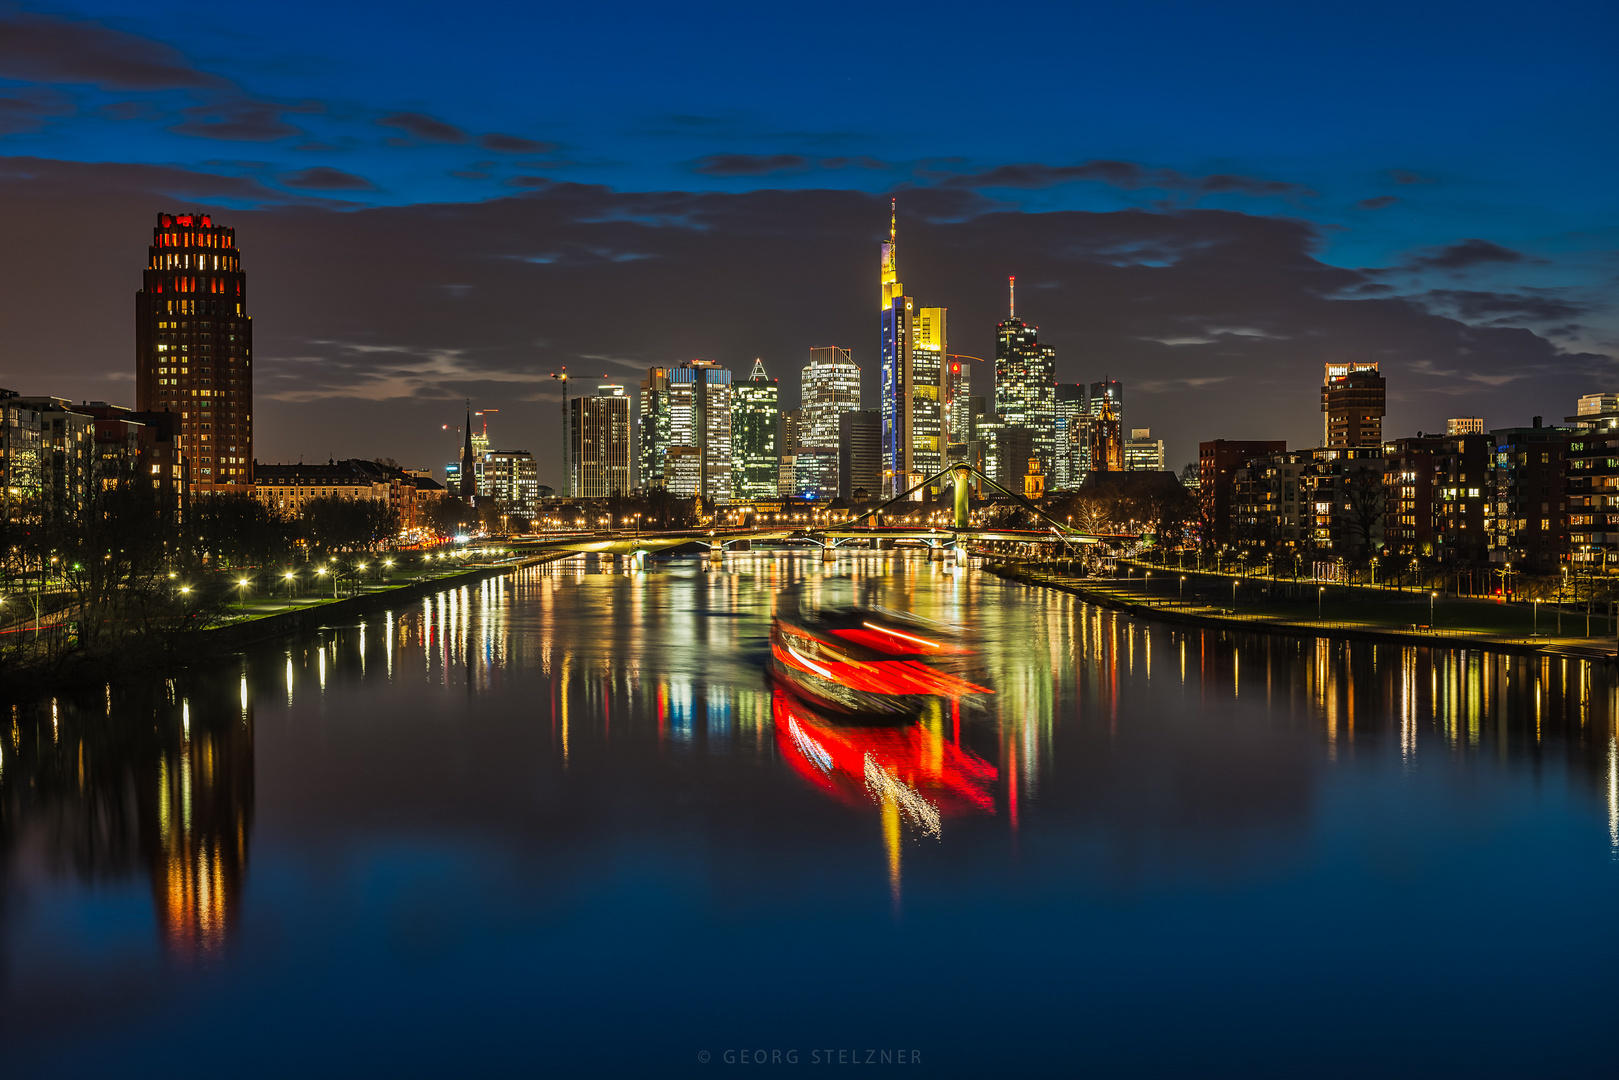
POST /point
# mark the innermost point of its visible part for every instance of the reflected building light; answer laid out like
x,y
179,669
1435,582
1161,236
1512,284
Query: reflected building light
x,y
885,789
1613,794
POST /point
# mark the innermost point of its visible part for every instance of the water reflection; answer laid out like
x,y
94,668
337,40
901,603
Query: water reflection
x,y
155,783
584,714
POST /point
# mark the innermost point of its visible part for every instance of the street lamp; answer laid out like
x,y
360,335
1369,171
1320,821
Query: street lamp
x,y
287,577
1183,587
1319,592
1431,596
242,583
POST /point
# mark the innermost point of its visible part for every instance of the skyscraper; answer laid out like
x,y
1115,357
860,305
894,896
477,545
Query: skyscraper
x,y
194,348
688,407
755,429
1071,437
860,453
958,411
830,386
1025,380
599,443
914,347
1353,398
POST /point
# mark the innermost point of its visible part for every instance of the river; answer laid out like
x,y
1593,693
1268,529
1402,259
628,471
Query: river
x,y
557,824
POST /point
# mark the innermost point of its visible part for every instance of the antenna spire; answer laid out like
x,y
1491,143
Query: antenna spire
x,y
1011,296
893,219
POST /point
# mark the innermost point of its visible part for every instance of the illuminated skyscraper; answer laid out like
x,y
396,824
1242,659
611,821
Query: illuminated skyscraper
x,y
830,386
958,414
599,444
1353,397
194,348
1071,437
755,429
1025,381
914,347
688,407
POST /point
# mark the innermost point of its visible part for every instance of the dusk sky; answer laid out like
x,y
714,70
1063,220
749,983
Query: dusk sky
x,y
437,202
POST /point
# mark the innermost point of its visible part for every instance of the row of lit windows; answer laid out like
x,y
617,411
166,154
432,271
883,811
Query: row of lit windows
x,y
221,238
203,262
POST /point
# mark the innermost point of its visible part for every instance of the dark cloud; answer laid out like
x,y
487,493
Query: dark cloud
x,y
241,121
43,48
1378,202
1218,321
1505,308
750,164
1405,176
470,174
1126,175
861,162
1464,256
323,178
513,144
31,109
424,128
129,110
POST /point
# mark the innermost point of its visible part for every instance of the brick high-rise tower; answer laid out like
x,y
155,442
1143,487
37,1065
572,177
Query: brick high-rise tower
x,y
194,349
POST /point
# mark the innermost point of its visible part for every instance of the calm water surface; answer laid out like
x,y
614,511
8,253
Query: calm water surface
x,y
555,824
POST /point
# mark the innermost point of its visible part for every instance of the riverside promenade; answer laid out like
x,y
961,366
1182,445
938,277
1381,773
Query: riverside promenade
x,y
1251,605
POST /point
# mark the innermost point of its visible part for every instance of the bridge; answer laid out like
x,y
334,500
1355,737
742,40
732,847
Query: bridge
x,y
867,526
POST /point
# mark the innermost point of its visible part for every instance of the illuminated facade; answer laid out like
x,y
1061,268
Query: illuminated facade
x,y
689,407
1071,437
755,431
1143,453
513,480
194,348
1353,400
830,386
653,436
1107,426
914,346
599,441
1025,381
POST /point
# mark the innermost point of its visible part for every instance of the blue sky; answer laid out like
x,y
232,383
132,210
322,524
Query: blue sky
x,y
1396,132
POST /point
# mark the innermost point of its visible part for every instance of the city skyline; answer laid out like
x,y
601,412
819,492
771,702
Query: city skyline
x,y
1218,270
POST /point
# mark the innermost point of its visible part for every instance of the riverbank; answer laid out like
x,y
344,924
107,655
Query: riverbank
x,y
1337,620
314,616
263,621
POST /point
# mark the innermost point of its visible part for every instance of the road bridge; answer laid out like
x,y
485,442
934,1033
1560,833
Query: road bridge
x,y
867,526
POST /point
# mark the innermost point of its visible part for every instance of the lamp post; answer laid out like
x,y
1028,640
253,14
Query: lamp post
x,y
1183,587
1431,596
287,577
1319,592
1234,592
241,597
